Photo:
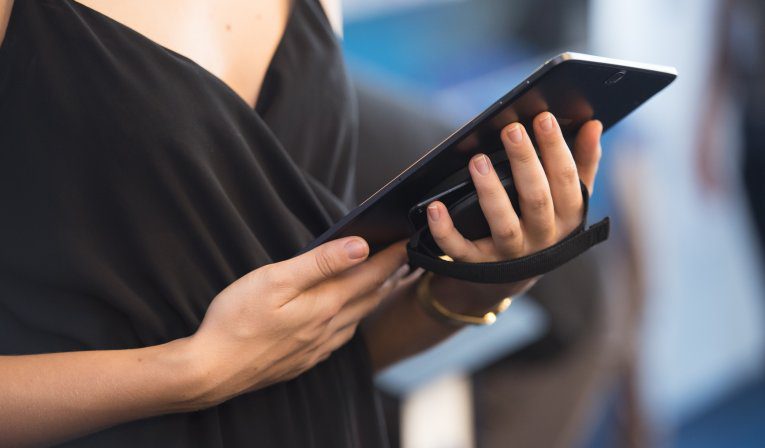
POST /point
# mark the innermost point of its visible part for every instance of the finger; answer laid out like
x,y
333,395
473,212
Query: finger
x,y
496,206
587,152
321,263
447,237
531,182
360,307
559,165
364,278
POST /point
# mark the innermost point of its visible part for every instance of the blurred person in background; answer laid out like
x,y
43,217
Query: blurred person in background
x,y
738,71
159,160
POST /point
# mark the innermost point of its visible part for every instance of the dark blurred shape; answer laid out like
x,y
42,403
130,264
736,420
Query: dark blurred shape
x,y
745,32
552,393
393,133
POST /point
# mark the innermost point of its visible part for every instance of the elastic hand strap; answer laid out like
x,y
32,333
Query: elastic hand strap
x,y
425,254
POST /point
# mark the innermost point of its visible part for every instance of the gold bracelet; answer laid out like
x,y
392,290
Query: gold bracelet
x,y
434,308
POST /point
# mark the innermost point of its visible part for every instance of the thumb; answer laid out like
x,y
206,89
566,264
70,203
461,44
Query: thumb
x,y
327,261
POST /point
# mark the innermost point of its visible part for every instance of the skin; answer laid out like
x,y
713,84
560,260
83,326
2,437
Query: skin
x,y
280,320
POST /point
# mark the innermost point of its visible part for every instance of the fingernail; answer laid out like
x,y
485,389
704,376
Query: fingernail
x,y
355,249
514,134
481,163
433,212
546,124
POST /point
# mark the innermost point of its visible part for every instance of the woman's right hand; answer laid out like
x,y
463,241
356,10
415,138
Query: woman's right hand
x,y
280,320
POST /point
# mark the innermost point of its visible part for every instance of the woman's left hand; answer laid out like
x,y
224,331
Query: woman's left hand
x,y
549,193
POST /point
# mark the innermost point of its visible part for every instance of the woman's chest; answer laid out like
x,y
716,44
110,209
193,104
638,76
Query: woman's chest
x,y
233,39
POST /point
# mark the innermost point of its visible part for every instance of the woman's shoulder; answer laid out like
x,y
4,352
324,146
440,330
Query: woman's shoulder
x,y
5,15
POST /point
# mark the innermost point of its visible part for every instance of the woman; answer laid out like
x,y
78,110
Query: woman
x,y
161,162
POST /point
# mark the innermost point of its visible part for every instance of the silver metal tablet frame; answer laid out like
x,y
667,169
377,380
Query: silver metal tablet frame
x,y
573,56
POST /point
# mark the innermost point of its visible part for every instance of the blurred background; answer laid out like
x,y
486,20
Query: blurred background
x,y
653,339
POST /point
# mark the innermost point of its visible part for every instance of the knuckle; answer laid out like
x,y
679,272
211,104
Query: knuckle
x,y
524,156
274,276
332,308
265,273
538,200
324,264
303,338
569,174
508,232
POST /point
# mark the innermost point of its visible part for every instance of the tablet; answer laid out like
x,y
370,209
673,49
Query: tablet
x,y
574,87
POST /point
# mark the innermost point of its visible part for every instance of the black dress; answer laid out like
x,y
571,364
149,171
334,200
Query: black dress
x,y
135,185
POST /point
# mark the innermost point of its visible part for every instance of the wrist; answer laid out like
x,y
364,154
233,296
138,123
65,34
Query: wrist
x,y
195,384
474,298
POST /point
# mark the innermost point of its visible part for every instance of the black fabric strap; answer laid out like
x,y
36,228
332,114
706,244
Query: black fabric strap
x,y
424,253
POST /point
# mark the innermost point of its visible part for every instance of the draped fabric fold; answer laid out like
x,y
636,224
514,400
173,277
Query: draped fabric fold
x,y
135,185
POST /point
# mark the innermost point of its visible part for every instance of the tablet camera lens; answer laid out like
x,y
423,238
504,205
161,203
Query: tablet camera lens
x,y
616,77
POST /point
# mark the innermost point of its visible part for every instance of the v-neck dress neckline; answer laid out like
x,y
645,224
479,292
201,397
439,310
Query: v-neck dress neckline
x,y
214,79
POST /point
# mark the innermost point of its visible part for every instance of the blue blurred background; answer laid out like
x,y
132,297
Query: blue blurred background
x,y
654,340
